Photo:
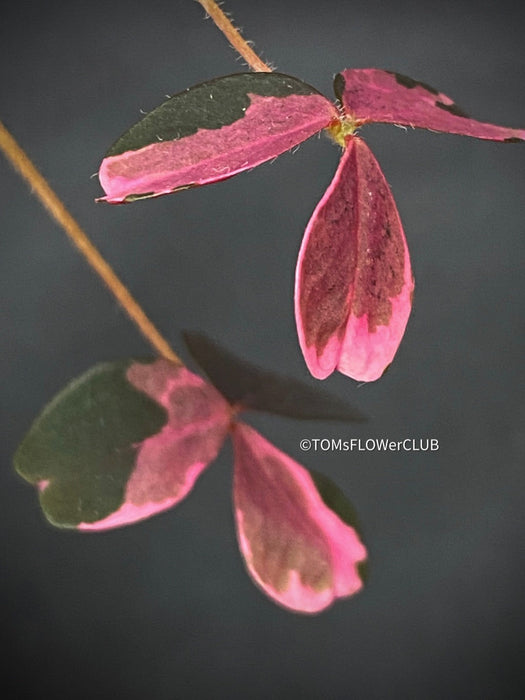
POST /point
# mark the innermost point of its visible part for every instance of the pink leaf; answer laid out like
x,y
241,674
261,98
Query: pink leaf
x,y
373,95
167,464
354,283
297,549
212,132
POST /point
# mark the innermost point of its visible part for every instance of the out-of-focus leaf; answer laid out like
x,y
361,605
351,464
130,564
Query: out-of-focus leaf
x,y
336,500
296,547
122,442
251,387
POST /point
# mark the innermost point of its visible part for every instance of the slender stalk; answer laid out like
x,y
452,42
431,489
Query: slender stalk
x,y
233,35
39,185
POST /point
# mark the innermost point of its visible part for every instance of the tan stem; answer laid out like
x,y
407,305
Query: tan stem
x,y
234,36
39,185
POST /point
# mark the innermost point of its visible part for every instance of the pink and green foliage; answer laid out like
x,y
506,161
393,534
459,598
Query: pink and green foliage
x,y
168,463
297,549
354,284
353,289
126,440
129,439
212,132
372,95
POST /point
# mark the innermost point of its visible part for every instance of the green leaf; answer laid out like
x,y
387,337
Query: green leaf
x,y
253,388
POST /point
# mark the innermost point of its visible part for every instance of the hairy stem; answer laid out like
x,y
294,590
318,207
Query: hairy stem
x,y
39,185
234,36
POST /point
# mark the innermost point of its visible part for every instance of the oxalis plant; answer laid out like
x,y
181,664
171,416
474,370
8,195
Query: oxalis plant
x,y
128,439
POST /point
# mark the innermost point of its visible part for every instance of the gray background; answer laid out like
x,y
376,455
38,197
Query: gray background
x,y
164,609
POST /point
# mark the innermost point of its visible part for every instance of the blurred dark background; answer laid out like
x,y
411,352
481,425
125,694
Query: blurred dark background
x,y
164,609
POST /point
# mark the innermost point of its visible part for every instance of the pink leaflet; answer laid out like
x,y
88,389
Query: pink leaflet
x,y
168,464
296,549
270,126
353,285
373,95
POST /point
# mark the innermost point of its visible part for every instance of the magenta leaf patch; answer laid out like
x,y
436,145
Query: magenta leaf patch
x,y
353,282
295,547
211,132
372,95
249,387
128,439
